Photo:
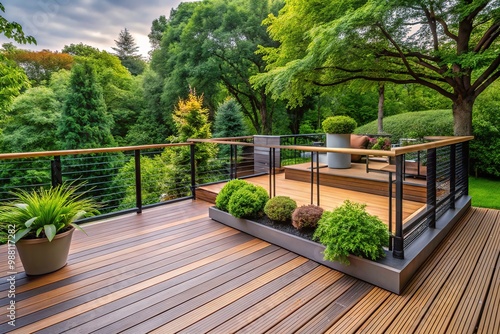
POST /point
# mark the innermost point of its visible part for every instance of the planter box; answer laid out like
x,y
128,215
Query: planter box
x,y
372,272
388,273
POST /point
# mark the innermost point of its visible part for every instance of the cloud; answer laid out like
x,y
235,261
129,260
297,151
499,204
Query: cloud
x,y
56,23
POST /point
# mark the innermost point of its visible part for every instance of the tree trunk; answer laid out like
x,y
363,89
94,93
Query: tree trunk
x,y
462,116
381,99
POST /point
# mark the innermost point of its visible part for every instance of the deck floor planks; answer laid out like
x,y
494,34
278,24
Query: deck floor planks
x,y
490,321
115,316
467,314
461,280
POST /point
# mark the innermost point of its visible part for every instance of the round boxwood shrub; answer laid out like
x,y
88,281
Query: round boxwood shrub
x,y
349,229
222,199
280,208
248,201
307,216
339,124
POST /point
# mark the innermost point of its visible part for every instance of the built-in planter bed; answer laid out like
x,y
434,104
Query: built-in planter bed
x,y
388,273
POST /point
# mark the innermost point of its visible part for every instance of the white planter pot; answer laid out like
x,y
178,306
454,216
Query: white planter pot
x,y
338,160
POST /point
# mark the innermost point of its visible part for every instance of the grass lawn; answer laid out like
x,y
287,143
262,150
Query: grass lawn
x,y
484,192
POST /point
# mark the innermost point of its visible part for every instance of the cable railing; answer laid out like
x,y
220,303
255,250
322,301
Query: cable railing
x,y
128,179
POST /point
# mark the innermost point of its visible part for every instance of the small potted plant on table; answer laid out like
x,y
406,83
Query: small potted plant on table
x,y
41,224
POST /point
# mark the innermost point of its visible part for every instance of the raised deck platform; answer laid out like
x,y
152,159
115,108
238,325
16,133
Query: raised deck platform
x,y
358,179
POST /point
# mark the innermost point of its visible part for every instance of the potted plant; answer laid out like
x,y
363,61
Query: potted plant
x,y
41,224
338,131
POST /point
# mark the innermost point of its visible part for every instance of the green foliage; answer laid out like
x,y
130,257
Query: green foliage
x,y
413,125
85,122
32,122
349,229
13,30
46,212
306,216
224,195
485,148
248,201
13,81
280,208
211,45
373,41
339,125
484,192
126,49
229,123
154,176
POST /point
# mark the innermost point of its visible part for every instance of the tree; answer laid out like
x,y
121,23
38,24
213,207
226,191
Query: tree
x,y
211,45
12,79
228,123
85,122
126,49
14,30
450,47
39,65
158,26
32,122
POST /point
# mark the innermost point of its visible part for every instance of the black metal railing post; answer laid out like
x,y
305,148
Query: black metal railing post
x,y
271,163
231,162
465,162
398,251
56,171
431,186
193,170
317,176
453,175
138,181
312,179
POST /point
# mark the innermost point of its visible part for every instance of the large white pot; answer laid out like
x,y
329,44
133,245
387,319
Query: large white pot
x,y
338,160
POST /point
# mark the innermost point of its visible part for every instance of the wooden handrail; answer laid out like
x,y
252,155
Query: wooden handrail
x,y
22,155
440,142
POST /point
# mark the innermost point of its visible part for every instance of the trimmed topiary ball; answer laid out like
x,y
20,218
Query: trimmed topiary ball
x,y
339,124
248,201
280,208
307,216
222,199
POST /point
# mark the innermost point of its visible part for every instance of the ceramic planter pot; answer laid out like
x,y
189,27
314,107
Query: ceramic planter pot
x,y
39,256
338,160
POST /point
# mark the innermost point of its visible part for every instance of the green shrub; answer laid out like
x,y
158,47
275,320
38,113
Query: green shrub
x,y
248,201
307,216
485,148
413,125
222,199
349,229
280,208
339,124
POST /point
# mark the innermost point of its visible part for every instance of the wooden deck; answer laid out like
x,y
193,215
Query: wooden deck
x,y
330,197
172,269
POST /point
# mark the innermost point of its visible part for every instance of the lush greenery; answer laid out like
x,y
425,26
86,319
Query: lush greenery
x,y
45,212
484,192
248,201
349,229
306,216
339,124
414,125
450,47
224,195
280,208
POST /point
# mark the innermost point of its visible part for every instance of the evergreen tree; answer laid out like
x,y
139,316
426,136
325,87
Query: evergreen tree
x,y
191,120
228,123
127,50
85,122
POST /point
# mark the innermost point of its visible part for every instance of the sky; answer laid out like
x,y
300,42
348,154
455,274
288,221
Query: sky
x,y
56,23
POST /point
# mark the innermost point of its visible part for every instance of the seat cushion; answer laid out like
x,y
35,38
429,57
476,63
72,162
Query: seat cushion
x,y
361,142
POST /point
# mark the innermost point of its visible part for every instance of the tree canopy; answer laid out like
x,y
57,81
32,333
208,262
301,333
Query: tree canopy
x,y
451,47
127,50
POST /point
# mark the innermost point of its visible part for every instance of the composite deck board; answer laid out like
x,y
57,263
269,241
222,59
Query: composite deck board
x,y
173,269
